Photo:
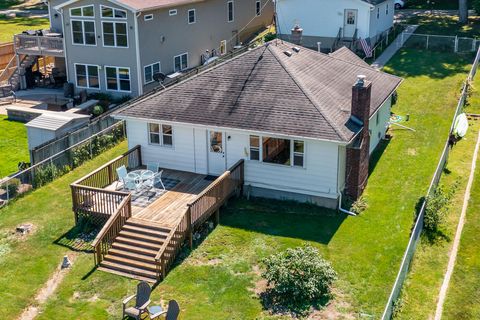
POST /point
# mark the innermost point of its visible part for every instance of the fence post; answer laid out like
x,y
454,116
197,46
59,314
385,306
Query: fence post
x,y
90,141
474,45
456,44
428,39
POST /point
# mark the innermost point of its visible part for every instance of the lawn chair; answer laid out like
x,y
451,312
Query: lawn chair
x,y
128,183
157,178
152,166
171,314
141,302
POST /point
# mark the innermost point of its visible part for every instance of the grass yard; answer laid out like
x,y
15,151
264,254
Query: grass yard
x,y
26,264
446,25
437,4
11,26
13,145
463,296
220,278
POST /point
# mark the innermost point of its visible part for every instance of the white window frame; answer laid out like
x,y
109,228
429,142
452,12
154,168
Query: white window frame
x,y
258,8
292,151
223,44
151,66
194,16
148,17
118,78
228,11
87,75
161,135
114,34
172,12
81,8
180,55
83,32
113,13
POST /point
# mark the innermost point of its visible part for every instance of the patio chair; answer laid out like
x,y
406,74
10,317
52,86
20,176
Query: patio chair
x,y
172,312
152,166
157,178
128,183
141,302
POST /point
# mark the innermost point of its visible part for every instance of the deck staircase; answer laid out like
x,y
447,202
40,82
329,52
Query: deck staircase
x,y
341,41
133,251
10,77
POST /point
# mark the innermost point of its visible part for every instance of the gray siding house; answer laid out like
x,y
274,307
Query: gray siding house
x,y
116,46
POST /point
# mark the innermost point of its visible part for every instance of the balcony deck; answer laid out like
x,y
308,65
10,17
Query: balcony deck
x,y
39,45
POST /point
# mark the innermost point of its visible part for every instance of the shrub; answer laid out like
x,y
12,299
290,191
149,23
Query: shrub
x,y
357,206
12,187
269,37
299,277
48,173
122,99
437,207
97,110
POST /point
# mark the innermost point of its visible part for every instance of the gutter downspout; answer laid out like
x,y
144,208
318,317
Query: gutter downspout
x,y
137,52
64,44
350,213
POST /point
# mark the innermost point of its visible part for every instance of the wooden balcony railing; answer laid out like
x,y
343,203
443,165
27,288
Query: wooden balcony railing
x,y
39,45
205,204
89,198
111,229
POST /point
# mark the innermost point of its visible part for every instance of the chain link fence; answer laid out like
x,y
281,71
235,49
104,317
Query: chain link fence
x,y
60,163
440,43
417,230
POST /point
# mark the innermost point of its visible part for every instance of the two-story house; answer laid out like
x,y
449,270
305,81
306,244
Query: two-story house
x,y
117,46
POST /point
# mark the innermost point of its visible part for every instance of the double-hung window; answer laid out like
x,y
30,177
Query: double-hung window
x,y
108,12
87,76
160,134
277,151
230,11
118,79
150,70
258,8
83,32
115,34
180,62
192,18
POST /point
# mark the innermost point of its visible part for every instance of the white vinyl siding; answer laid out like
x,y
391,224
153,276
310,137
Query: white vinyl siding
x,y
83,32
118,79
87,76
379,123
115,34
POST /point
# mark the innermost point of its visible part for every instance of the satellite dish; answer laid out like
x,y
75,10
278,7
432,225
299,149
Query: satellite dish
x,y
159,77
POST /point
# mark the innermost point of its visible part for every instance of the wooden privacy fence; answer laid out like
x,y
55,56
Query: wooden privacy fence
x,y
90,199
7,52
198,211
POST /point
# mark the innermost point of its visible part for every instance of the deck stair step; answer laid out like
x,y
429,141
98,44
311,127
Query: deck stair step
x,y
134,249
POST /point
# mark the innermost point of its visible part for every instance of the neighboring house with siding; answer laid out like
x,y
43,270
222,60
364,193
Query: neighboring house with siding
x,y
304,122
116,46
325,20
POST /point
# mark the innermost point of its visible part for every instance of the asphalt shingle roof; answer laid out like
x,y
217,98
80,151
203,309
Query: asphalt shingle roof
x,y
306,95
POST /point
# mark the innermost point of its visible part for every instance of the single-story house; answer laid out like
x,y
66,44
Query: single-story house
x,y
305,122
326,21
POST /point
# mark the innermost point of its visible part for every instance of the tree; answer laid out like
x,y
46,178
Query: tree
x,y
463,11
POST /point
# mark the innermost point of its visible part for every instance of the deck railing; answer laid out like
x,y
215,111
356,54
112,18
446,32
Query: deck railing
x,y
88,194
38,45
111,229
205,204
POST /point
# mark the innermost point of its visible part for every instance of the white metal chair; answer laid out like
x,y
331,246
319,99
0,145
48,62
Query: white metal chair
x,y
157,178
152,166
129,183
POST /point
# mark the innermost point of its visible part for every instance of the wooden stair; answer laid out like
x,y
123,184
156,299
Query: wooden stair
x,y
134,249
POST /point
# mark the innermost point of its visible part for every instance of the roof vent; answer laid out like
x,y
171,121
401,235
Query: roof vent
x,y
296,49
288,53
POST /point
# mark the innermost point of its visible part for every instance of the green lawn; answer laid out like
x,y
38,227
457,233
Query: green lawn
x,y
11,26
13,145
218,279
463,296
446,25
26,264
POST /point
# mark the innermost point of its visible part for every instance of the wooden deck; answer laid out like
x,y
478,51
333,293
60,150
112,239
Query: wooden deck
x,y
171,206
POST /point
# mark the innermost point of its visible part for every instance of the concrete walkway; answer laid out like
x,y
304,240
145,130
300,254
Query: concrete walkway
x,y
394,47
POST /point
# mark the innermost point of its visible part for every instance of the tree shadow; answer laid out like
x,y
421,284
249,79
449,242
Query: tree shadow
x,y
78,238
283,218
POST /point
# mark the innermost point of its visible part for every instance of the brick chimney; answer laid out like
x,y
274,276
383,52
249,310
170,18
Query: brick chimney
x,y
358,153
296,37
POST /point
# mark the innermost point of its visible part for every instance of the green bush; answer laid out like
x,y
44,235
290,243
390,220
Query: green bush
x,y
437,207
97,110
12,187
48,173
298,278
269,37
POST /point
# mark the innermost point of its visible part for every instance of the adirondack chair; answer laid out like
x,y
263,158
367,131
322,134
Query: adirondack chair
x,y
141,302
172,312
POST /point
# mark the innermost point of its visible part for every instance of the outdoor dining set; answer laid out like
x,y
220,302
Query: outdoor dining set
x,y
141,179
